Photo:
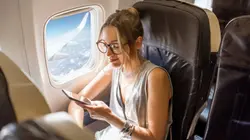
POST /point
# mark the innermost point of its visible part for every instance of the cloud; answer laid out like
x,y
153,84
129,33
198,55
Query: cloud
x,y
56,44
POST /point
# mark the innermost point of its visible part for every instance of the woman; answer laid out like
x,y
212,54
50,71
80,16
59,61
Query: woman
x,y
140,91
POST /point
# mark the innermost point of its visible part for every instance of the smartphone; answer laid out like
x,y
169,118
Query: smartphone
x,y
76,98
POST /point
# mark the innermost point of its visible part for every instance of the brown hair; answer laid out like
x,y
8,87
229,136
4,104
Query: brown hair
x,y
129,28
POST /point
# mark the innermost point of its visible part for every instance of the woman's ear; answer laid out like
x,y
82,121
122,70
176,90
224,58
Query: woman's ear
x,y
139,42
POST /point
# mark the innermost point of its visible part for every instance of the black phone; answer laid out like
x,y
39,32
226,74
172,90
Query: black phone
x,y
74,97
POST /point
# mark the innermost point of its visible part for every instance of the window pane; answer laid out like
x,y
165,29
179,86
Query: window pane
x,y
68,43
203,3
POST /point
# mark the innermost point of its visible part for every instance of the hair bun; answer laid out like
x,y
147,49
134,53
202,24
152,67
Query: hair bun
x,y
133,11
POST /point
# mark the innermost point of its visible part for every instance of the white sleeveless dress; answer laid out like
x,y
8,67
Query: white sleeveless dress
x,y
135,107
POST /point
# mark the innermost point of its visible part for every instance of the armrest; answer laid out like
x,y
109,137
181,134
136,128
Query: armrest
x,y
195,120
196,138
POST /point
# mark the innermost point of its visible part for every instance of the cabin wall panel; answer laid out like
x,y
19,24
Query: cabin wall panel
x,y
26,14
126,3
11,35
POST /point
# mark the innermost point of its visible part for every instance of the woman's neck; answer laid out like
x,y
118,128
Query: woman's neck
x,y
133,69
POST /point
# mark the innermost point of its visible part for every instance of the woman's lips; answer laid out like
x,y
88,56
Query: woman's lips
x,y
113,59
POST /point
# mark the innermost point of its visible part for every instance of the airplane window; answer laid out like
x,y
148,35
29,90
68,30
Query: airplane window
x,y
69,39
203,3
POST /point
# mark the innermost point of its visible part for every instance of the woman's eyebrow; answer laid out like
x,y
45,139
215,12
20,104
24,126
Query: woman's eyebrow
x,y
114,41
102,40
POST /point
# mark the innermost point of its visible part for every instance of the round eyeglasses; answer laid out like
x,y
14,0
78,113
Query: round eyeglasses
x,y
114,47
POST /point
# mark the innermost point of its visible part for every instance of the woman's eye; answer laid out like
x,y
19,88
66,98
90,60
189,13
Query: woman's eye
x,y
116,46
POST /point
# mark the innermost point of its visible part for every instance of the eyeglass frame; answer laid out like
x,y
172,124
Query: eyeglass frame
x,y
108,46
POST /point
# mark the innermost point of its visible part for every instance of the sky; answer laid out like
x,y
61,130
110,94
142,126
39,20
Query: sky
x,y
68,46
60,26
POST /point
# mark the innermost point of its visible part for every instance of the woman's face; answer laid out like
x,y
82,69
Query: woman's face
x,y
108,37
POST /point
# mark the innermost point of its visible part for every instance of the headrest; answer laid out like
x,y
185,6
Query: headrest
x,y
27,100
215,34
175,30
63,124
27,130
229,9
55,126
235,46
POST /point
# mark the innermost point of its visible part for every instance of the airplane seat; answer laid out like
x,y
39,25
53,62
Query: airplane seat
x,y
229,117
54,126
6,109
229,9
177,37
225,10
20,99
199,123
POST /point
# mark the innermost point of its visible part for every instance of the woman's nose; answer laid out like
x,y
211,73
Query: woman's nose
x,y
109,52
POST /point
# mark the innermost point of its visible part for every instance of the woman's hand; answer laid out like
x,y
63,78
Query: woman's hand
x,y
98,110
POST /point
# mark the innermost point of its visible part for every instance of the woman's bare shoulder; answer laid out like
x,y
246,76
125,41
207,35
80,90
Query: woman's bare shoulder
x,y
159,81
158,73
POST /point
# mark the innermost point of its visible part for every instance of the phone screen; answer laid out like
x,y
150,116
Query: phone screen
x,y
76,97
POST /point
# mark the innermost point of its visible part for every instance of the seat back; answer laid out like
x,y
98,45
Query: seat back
x,y
177,37
229,117
6,108
19,95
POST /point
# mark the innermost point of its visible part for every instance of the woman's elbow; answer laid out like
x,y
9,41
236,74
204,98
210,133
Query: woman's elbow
x,y
152,136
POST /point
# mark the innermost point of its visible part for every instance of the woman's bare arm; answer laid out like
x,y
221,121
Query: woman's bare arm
x,y
96,86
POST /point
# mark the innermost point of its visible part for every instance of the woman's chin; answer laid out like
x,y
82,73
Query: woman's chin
x,y
115,64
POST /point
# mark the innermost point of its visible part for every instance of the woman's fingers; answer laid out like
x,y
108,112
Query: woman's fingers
x,y
94,105
85,106
89,107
